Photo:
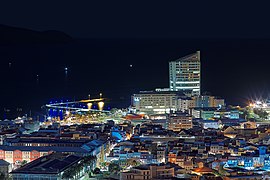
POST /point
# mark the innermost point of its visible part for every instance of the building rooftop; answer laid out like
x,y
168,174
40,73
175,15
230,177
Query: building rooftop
x,y
50,164
203,170
191,57
4,163
147,166
162,92
206,108
43,140
44,149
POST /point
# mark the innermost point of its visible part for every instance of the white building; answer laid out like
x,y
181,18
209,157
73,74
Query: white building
x,y
210,124
154,102
186,103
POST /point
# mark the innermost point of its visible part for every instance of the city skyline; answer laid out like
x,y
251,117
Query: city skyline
x,y
215,75
134,90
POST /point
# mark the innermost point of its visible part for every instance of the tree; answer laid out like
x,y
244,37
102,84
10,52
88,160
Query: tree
x,y
133,162
68,174
75,171
114,110
23,162
261,113
2,176
114,168
88,162
96,171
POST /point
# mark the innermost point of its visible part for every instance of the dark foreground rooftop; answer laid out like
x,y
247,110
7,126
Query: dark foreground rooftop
x,y
50,164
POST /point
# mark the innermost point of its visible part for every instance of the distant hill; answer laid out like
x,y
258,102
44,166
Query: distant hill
x,y
14,35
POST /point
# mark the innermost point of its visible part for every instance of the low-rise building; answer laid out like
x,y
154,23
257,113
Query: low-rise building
x,y
208,101
7,134
204,113
15,155
210,124
178,121
161,154
149,172
227,113
43,141
51,167
185,103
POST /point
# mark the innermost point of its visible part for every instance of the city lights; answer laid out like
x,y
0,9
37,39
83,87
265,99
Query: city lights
x,y
67,113
89,105
150,91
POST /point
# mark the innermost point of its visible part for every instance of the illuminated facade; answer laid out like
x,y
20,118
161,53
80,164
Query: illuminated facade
x,y
149,172
208,101
17,156
186,103
185,73
155,102
180,121
245,161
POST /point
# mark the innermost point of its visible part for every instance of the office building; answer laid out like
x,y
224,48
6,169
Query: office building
x,y
185,74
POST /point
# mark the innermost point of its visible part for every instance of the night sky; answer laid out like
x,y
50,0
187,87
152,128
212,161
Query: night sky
x,y
109,37
155,19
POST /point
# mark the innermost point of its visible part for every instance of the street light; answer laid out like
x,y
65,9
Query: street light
x,y
100,105
89,105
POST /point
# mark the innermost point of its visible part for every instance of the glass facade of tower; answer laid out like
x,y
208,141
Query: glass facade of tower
x,y
185,74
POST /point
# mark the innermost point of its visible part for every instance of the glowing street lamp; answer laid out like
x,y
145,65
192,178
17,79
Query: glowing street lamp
x,y
89,105
100,105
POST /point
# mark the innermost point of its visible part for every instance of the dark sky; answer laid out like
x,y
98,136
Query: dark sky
x,y
155,19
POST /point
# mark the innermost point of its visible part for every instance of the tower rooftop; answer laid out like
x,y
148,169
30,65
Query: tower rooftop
x,y
191,57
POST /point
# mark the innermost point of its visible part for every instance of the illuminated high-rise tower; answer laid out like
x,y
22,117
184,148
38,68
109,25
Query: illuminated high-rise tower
x,y
185,74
